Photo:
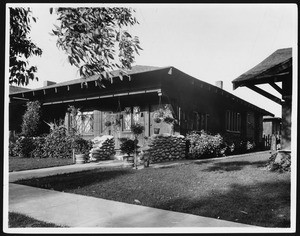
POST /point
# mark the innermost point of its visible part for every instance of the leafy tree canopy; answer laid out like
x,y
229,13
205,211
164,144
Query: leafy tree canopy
x,y
21,47
95,40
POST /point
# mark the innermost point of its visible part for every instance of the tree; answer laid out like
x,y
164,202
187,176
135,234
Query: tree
x,y
21,47
92,37
31,119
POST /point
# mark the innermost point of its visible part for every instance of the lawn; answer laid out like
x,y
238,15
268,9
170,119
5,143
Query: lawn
x,y
16,220
238,189
18,163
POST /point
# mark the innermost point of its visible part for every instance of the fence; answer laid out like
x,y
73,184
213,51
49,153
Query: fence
x,y
272,142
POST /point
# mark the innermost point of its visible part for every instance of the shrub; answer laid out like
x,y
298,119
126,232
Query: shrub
x,y
39,147
23,147
58,144
81,145
234,144
204,145
127,146
31,119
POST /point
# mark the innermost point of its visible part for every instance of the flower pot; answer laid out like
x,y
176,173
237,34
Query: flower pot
x,y
156,130
80,158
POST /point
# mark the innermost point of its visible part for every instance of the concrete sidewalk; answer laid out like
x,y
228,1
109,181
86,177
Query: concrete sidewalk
x,y
37,173
74,210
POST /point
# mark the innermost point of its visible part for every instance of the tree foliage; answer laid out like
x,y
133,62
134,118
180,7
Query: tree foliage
x,y
21,47
95,39
31,119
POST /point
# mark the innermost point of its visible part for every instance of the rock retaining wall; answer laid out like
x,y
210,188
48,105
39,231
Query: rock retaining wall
x,y
103,148
166,147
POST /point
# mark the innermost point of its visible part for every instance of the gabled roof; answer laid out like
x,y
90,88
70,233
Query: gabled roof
x,y
17,89
135,70
277,62
139,69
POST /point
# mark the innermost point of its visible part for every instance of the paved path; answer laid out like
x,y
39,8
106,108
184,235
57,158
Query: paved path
x,y
37,173
74,210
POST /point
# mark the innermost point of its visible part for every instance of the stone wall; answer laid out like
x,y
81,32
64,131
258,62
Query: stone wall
x,y
166,147
103,148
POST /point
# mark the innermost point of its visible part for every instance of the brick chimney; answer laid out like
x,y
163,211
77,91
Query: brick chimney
x,y
47,83
219,84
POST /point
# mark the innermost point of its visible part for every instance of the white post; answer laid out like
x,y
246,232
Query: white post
x,y
73,155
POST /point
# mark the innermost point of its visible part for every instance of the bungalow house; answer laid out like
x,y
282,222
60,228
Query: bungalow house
x,y
136,97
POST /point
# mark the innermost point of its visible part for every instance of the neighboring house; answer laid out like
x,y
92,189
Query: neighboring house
x,y
272,132
275,70
271,125
196,104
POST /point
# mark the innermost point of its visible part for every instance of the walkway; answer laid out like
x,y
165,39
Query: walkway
x,y
37,173
74,210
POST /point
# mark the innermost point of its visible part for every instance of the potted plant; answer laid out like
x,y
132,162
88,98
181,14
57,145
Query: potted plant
x,y
169,120
157,120
137,129
156,130
107,123
81,148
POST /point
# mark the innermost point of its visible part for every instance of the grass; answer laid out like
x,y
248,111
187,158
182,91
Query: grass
x,y
18,163
237,189
16,220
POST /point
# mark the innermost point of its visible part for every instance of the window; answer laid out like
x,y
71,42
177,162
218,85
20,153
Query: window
x,y
233,121
85,122
204,121
127,119
136,114
131,116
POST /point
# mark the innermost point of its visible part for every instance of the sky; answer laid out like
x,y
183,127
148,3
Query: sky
x,y
210,42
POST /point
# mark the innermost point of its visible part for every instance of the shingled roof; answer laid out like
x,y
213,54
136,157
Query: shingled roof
x,y
17,89
134,70
138,69
281,59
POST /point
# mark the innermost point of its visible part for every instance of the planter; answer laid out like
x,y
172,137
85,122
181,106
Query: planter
x,y
80,158
156,130
130,159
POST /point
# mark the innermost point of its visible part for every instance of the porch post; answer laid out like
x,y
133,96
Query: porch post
x,y
286,125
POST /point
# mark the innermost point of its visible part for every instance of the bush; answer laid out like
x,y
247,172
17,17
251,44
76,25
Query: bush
x,y
13,137
234,144
81,145
127,146
39,147
58,144
23,147
204,145
31,119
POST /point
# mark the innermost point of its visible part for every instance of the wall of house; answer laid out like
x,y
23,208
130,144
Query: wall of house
x,y
197,105
200,105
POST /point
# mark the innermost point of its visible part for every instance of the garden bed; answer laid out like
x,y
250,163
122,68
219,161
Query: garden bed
x,y
17,163
236,189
